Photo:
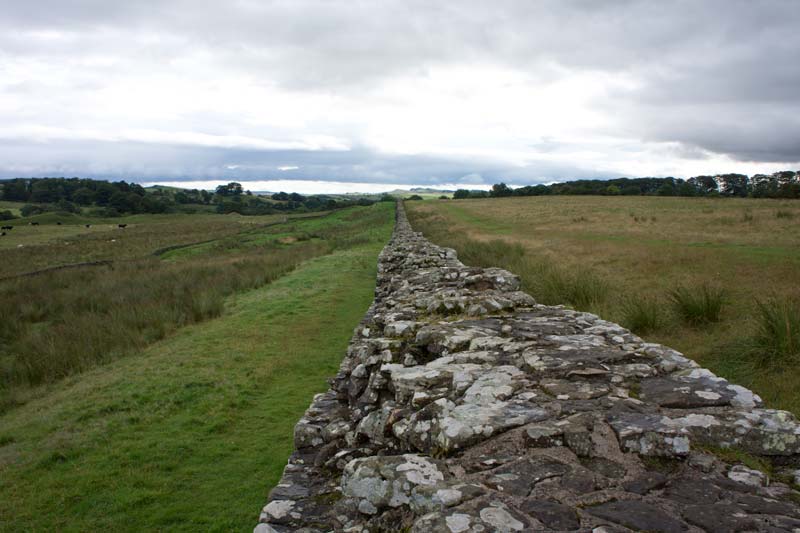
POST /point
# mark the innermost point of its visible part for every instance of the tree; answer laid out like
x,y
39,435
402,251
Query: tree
x,y
613,190
686,189
733,184
500,190
231,189
83,196
16,190
461,194
666,189
704,184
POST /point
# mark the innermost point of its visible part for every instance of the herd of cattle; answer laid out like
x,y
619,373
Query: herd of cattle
x,y
9,228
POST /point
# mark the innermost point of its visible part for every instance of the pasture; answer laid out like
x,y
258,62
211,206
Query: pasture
x,y
185,426
657,265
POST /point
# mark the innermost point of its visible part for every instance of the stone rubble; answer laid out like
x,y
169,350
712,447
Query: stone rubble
x,y
464,406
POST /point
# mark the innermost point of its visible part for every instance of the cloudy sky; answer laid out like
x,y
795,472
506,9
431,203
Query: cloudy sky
x,y
385,93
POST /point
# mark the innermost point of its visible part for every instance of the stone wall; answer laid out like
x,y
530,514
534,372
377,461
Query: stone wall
x,y
463,406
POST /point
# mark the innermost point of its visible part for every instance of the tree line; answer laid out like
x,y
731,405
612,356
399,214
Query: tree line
x,y
784,184
106,198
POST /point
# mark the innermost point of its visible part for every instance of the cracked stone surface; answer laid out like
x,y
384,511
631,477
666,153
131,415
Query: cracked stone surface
x,y
462,405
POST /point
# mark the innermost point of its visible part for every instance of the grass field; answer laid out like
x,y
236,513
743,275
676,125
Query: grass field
x,y
62,322
644,261
29,248
191,432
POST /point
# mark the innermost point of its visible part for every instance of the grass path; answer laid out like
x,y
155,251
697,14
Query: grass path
x,y
191,434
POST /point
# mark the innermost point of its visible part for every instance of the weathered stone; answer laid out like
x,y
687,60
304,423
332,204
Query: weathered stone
x,y
638,515
519,477
389,481
748,476
684,392
645,483
718,517
554,515
544,436
693,491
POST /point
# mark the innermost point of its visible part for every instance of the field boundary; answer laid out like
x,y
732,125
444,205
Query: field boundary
x,y
464,405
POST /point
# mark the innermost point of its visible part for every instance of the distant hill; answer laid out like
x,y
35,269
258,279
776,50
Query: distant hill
x,y
421,190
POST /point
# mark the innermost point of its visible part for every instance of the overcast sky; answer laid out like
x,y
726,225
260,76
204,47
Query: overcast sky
x,y
402,92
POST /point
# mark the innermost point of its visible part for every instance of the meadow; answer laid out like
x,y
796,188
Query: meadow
x,y
186,426
717,279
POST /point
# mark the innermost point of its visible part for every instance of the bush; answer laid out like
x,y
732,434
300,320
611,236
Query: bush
x,y
29,210
698,305
642,315
7,215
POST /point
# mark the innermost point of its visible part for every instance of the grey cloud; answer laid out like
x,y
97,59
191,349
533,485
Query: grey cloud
x,y
715,76
145,162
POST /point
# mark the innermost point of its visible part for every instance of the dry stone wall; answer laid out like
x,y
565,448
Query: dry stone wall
x,y
463,406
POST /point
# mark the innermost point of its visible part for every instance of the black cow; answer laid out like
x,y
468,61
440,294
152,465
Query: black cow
x,y
2,234
58,223
88,225
34,223
123,226
7,227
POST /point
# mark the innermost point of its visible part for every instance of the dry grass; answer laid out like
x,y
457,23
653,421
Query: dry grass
x,y
643,248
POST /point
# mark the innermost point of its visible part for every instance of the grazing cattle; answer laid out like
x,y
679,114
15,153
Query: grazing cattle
x,y
7,227
121,226
34,223
2,234
88,225
58,223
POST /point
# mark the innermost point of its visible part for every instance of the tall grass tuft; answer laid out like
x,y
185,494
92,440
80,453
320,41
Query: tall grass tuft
x,y
782,213
581,288
698,305
777,336
642,314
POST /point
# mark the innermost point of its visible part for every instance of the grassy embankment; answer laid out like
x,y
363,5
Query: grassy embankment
x,y
190,433
718,279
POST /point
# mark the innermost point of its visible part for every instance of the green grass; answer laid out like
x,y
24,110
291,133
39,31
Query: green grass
x,y
14,207
191,433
